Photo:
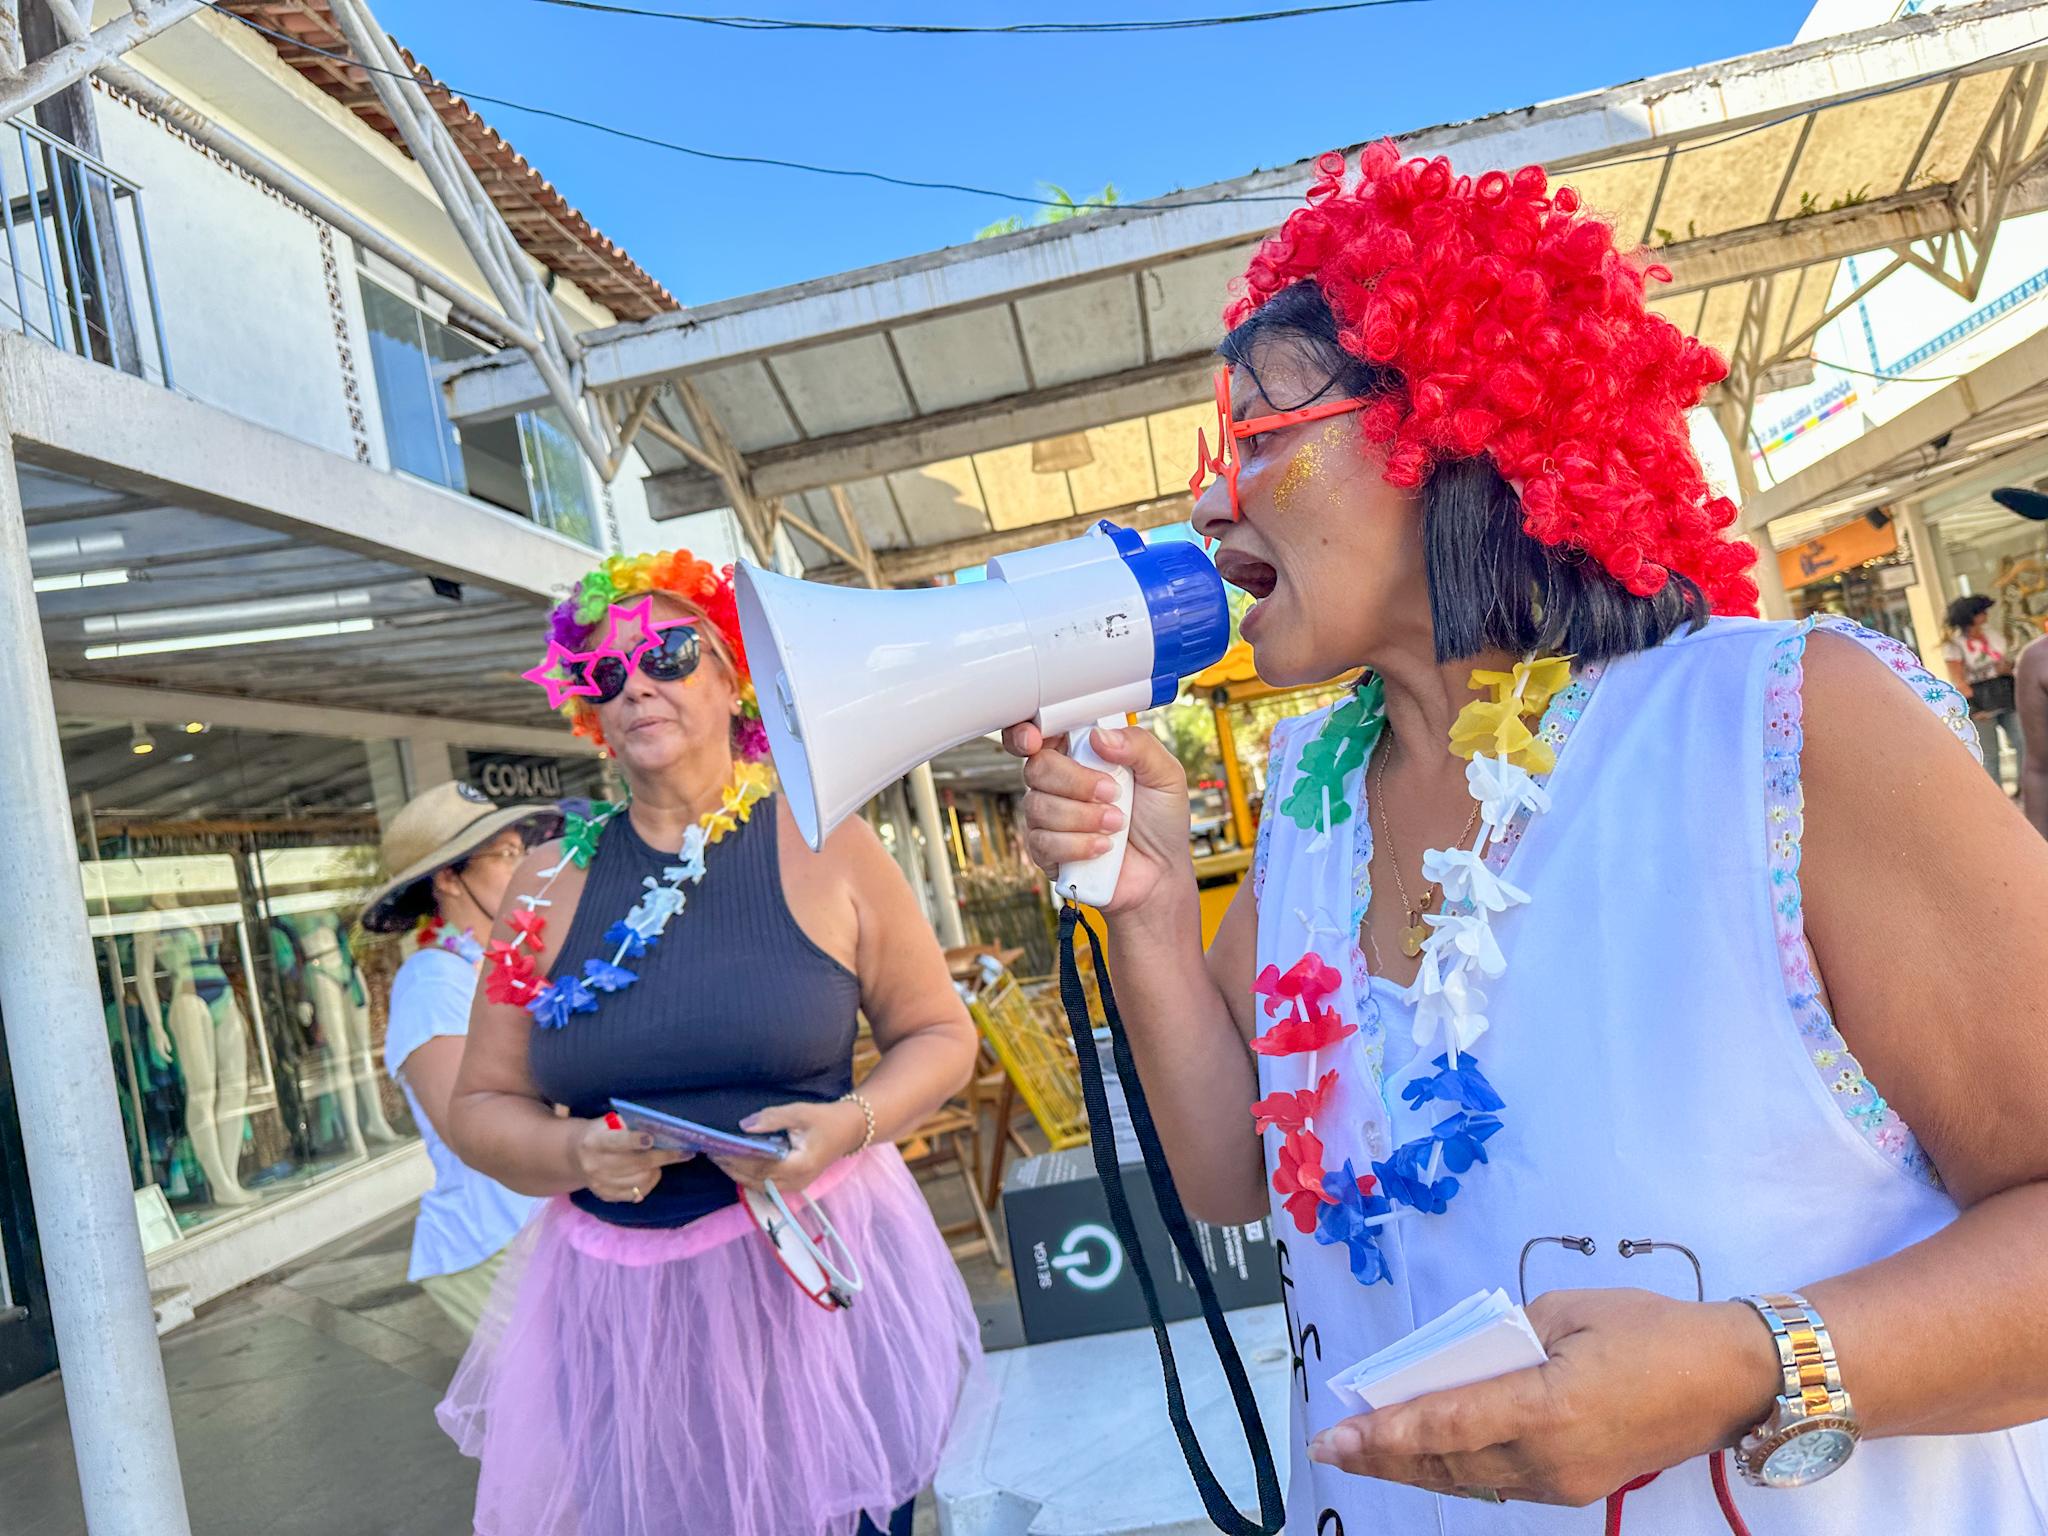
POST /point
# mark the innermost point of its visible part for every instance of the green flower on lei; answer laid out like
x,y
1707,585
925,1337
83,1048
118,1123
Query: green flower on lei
x,y
1340,748
579,837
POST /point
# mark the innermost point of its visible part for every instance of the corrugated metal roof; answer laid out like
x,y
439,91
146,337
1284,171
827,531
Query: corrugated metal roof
x,y
546,226
921,386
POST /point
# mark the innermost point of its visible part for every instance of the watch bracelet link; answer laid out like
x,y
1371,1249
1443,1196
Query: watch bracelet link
x,y
1806,1351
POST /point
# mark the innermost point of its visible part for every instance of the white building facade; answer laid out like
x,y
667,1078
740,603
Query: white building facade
x,y
278,594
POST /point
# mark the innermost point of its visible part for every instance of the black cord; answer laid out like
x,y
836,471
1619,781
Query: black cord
x,y
1013,29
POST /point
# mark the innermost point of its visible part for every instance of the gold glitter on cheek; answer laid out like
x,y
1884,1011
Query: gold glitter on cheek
x,y
1304,467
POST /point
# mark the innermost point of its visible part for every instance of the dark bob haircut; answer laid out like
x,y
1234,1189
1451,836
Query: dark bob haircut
x,y
1490,583
1965,611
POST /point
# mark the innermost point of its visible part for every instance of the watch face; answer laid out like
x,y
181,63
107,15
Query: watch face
x,y
1810,1455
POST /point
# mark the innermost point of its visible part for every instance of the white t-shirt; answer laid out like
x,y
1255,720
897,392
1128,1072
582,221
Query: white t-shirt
x,y
465,1217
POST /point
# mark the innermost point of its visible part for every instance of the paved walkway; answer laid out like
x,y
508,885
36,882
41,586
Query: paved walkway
x,y
304,1406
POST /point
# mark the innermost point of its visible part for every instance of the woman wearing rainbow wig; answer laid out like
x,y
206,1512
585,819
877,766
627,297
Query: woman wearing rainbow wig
x,y
1603,945
647,1366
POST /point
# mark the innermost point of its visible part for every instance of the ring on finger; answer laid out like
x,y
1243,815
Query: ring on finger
x,y
1482,1495
637,1196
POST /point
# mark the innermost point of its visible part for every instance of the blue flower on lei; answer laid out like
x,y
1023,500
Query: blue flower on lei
x,y
552,1005
1463,1085
1404,1177
1347,1222
606,977
619,936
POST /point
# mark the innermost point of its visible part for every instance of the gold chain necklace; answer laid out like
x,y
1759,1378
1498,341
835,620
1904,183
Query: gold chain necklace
x,y
1414,930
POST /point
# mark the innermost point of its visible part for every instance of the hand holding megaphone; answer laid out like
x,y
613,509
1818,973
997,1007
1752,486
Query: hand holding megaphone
x,y
1098,789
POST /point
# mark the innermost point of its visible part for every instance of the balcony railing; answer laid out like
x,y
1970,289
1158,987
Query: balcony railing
x,y
80,274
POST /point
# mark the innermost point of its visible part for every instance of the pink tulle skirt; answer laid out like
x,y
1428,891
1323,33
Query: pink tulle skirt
x,y
643,1383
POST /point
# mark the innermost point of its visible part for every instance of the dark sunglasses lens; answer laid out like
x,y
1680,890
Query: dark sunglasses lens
x,y
609,674
675,658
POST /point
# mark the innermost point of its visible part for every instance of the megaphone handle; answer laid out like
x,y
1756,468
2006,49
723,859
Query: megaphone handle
x,y
1092,882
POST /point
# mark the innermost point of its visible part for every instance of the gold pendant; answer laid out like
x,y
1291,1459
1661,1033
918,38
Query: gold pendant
x,y
1411,940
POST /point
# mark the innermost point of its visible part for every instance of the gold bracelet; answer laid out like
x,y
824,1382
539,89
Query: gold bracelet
x,y
867,1110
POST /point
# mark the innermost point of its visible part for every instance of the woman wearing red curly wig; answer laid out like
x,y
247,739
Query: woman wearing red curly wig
x,y
646,1366
1582,936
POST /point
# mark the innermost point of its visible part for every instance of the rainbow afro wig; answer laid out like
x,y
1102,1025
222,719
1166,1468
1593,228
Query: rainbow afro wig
x,y
1518,330
581,618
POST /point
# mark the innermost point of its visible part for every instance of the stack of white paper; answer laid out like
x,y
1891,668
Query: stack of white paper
x,y
1484,1336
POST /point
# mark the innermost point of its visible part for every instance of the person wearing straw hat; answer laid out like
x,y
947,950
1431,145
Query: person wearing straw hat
x,y
448,856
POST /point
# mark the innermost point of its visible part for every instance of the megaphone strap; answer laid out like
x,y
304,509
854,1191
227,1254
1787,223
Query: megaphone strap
x,y
1222,1511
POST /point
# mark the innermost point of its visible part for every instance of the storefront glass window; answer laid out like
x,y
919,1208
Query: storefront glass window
x,y
222,870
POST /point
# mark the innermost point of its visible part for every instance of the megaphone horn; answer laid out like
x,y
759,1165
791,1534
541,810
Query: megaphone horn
x,y
858,687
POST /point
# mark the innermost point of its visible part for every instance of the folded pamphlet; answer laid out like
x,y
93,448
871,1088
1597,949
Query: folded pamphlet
x,y
1484,1336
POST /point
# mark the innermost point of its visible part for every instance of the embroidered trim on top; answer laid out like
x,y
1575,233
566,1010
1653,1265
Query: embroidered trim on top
x,y
1784,822
1938,694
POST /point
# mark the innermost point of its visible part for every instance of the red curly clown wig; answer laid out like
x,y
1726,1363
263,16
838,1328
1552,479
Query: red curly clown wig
x,y
1518,329
679,574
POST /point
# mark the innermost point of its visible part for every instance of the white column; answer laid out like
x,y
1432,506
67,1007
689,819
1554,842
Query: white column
x,y
1924,600
936,862
64,1087
1773,602
896,810
427,762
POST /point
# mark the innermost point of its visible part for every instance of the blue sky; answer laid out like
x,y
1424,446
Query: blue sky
x,y
1149,112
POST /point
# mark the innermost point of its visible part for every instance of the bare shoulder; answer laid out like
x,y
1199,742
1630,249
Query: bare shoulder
x,y
2032,666
1869,735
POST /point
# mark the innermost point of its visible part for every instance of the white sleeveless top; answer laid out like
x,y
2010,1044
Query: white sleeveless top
x,y
1668,1073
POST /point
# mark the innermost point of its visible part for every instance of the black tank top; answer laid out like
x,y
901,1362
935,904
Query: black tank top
x,y
735,1009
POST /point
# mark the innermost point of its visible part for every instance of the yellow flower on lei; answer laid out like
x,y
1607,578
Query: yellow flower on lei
x,y
1497,727
750,783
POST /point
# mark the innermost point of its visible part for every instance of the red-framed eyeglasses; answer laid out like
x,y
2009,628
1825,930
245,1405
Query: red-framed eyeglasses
x,y
1229,433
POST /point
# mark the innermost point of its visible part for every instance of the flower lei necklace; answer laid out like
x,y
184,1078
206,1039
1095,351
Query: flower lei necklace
x,y
512,976
1505,759
434,933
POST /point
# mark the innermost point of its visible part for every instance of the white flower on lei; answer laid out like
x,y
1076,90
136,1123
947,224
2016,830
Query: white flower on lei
x,y
690,865
651,915
1466,879
1502,788
1449,1008
1465,939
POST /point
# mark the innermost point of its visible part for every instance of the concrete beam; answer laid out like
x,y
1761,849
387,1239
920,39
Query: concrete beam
x,y
916,567
1789,244
164,706
1574,133
941,435
70,414
1949,410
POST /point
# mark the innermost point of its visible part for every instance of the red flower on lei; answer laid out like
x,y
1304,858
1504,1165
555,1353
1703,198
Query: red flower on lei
x,y
1292,1111
1311,1026
1299,1177
528,926
509,976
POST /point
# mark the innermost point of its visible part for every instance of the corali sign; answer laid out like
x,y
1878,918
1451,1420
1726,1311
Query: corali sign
x,y
506,779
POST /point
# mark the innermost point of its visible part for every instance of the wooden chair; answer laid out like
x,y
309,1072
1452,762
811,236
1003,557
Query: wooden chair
x,y
947,1141
1031,1041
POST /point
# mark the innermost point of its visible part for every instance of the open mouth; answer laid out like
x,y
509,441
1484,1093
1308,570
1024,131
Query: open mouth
x,y
1247,574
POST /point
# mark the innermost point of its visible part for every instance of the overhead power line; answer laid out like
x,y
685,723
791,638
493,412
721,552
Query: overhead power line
x,y
722,157
1011,29
919,184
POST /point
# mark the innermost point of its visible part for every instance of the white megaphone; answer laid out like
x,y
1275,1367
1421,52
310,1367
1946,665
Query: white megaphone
x,y
858,687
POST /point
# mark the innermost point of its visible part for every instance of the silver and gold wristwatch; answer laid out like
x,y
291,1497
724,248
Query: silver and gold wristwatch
x,y
1812,1430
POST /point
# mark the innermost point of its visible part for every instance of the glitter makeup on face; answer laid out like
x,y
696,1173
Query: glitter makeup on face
x,y
1306,464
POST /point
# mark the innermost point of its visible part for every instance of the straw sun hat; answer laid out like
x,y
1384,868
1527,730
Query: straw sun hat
x,y
443,826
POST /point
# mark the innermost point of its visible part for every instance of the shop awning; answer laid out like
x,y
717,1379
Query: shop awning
x,y
1986,429
995,395
367,603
